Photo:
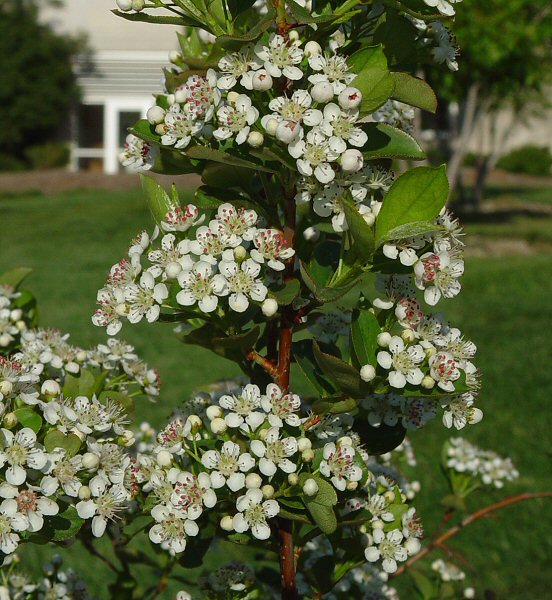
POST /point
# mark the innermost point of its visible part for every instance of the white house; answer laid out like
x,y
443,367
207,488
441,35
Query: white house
x,y
117,82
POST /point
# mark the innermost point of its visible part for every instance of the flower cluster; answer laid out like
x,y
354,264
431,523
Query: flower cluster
x,y
14,318
486,465
229,258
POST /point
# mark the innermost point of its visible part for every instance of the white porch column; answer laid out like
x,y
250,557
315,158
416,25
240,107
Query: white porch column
x,y
111,137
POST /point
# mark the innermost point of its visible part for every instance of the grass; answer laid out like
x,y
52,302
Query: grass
x,y
71,239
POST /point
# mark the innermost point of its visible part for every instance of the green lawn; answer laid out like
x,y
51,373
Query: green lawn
x,y
71,240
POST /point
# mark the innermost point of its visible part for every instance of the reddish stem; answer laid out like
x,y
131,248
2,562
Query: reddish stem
x,y
483,512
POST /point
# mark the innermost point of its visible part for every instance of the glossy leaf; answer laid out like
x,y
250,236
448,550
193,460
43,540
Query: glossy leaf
x,y
361,232
286,293
27,417
71,443
345,376
385,141
410,230
374,82
159,202
414,91
304,357
205,153
364,331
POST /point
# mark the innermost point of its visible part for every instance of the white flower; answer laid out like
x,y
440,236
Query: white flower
x,y
438,275
181,219
314,155
243,408
192,493
11,522
18,451
444,370
170,258
459,411
105,505
171,529
280,58
443,6
253,514
237,65
340,126
28,503
179,128
271,246
144,299
281,407
228,466
242,283
274,452
108,314
297,109
200,95
211,242
137,154
387,547
402,363
61,471
238,223
339,464
329,201
404,251
200,285
236,120
332,68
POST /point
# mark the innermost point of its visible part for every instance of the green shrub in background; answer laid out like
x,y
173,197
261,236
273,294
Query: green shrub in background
x,y
529,159
51,155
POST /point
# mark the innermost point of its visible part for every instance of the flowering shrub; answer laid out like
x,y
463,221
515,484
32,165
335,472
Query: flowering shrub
x,y
300,247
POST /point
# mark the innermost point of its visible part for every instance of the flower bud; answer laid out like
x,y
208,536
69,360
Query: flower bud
x,y
416,486
310,487
428,382
431,351
174,56
304,444
84,492
322,92
255,139
195,422
6,387
475,415
164,458
72,367
312,48
155,115
369,218
350,98
138,5
408,336
253,481
293,35
287,131
213,412
262,81
268,491
218,426
90,461
469,593
262,434
269,307
81,356
345,440
412,546
293,479
180,96
352,160
183,595
378,524
127,439
10,420
171,99
367,373
121,309
124,5
5,339
21,325
307,456
311,234
226,523
232,96
389,496
383,339
16,314
172,270
352,486
271,126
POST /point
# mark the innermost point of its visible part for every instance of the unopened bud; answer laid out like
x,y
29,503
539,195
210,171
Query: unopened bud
x,y
124,5
312,48
240,253
389,496
6,387
269,307
293,35
10,420
173,269
195,422
431,351
21,325
287,131
81,356
311,234
322,92
16,314
428,382
218,426
255,139
155,115
469,593
352,160
383,339
268,491
307,456
310,487
90,461
164,458
84,492
180,96
304,444
174,56
171,99
231,97
271,126
352,486
253,481
367,373
226,523
345,440
127,439
138,5
293,479
412,546
5,340
213,412
408,336
262,81
350,98
121,309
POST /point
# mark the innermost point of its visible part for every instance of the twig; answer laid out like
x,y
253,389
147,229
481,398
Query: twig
x,y
483,512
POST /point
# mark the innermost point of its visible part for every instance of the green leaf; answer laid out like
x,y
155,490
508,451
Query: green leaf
x,y
361,232
423,584
303,15
334,405
382,439
345,376
398,36
171,162
385,141
417,195
14,277
414,91
304,357
181,21
205,153
29,418
145,131
320,506
237,41
159,202
287,293
455,502
63,526
371,56
243,342
374,82
71,443
364,332
410,230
